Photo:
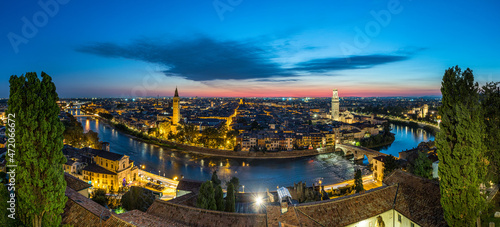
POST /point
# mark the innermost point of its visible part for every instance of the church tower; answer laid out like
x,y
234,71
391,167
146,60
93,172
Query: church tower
x,y
335,105
177,112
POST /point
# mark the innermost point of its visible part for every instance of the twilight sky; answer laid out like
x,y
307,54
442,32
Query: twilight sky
x,y
243,48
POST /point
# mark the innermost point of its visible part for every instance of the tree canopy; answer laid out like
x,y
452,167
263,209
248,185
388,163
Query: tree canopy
x,y
358,181
236,183
461,150
38,135
422,166
219,198
215,179
490,101
230,199
390,164
206,197
74,135
99,196
137,199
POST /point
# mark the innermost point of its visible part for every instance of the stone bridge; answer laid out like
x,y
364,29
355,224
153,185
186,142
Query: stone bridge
x,y
358,152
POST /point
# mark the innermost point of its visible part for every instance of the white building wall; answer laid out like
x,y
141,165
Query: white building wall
x,y
390,219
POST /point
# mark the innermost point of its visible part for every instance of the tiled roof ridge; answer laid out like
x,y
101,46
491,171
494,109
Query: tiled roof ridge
x,y
73,197
115,216
183,198
427,180
82,184
356,195
296,209
204,210
397,208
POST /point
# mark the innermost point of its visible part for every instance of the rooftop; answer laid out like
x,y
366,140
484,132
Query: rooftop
x,y
79,210
189,185
97,169
418,198
140,218
192,216
105,154
75,183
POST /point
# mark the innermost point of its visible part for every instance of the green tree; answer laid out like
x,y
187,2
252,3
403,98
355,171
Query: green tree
x,y
422,166
490,101
137,198
206,197
190,132
73,132
390,164
358,181
230,199
99,196
74,136
106,116
231,139
91,139
38,137
236,183
219,198
460,148
211,138
387,129
215,179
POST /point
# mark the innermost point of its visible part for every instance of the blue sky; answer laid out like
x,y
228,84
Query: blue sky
x,y
248,48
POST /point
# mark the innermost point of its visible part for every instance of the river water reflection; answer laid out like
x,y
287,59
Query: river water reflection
x,y
256,175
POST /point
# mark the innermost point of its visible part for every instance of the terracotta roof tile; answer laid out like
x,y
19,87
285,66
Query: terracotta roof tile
x,y
98,169
189,185
75,183
418,198
81,211
192,216
347,210
140,218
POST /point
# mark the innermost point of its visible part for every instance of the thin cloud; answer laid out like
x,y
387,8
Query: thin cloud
x,y
207,59
353,62
198,59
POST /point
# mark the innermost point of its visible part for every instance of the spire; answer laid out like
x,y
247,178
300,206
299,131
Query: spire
x,y
176,93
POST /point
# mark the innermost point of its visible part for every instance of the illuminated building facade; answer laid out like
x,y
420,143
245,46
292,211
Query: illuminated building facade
x,y
177,112
110,171
335,105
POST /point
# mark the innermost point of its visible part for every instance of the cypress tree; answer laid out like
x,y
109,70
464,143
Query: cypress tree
x,y
206,197
358,181
236,183
38,137
215,178
390,164
422,166
219,198
460,148
490,100
230,199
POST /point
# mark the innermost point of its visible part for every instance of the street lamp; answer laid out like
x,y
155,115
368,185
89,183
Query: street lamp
x,y
258,201
243,188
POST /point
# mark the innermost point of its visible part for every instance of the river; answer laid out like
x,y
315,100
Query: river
x,y
255,175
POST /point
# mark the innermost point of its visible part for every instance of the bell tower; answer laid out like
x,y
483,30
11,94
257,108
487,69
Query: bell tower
x,y
335,105
177,112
